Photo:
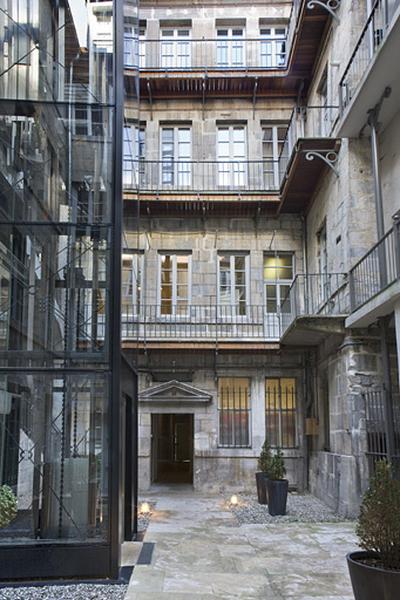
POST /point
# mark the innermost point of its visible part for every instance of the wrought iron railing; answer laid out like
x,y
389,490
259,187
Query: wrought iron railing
x,y
306,122
200,176
204,54
200,323
370,41
324,294
378,268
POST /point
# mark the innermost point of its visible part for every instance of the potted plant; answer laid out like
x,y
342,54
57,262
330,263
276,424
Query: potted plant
x,y
375,571
8,506
277,485
264,462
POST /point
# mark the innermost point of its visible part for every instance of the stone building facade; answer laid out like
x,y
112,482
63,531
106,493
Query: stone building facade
x,y
250,308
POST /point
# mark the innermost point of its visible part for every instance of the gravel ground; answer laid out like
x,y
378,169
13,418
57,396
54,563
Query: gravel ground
x,y
300,509
65,592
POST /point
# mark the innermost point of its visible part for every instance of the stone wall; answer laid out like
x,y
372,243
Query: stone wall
x,y
215,467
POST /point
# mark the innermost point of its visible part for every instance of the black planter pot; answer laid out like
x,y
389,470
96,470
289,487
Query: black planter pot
x,y
262,493
371,583
277,496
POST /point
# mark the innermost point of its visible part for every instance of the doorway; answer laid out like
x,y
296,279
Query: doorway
x,y
172,448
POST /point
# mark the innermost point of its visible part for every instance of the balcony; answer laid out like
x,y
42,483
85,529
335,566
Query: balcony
x,y
375,281
307,152
371,69
315,307
201,327
213,67
190,181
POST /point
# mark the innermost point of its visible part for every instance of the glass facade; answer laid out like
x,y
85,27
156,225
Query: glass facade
x,y
60,189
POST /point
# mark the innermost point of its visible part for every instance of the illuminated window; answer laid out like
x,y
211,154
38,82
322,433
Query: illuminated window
x,y
281,412
278,276
234,412
175,283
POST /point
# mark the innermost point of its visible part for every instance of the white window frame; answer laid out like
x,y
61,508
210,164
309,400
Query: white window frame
x,y
275,142
278,283
174,314
232,170
270,46
137,279
228,44
234,306
134,151
181,171
179,48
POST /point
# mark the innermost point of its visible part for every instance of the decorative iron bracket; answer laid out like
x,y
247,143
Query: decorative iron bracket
x,y
328,5
330,158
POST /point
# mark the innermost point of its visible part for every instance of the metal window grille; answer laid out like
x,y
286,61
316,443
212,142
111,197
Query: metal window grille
x,y
383,431
234,412
281,412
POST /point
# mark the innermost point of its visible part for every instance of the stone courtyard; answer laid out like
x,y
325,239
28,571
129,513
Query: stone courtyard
x,y
198,550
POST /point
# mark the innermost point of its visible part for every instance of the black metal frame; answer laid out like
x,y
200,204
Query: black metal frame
x,y
52,559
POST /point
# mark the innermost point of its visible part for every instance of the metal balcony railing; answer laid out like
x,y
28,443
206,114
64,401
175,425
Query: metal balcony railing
x,y
200,176
205,54
370,41
305,123
379,268
208,323
316,294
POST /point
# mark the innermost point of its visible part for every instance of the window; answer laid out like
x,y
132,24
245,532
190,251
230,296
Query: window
x,y
234,412
278,276
174,284
132,272
273,145
88,120
133,155
231,156
324,281
175,48
176,154
281,412
233,283
230,47
134,48
273,46
324,114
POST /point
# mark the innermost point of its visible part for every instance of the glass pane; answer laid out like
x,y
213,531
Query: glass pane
x,y
54,456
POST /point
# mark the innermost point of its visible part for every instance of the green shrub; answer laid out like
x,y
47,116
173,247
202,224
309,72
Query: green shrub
x,y
265,458
379,522
8,506
277,468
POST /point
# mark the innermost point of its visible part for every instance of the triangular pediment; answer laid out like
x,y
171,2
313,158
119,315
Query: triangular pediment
x,y
174,391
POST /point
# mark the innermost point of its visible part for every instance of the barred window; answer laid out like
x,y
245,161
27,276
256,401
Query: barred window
x,y
281,412
234,412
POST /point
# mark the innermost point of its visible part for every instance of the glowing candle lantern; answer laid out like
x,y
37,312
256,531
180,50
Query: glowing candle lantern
x,y
234,500
145,508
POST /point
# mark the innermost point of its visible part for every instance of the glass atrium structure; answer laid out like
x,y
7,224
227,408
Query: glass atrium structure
x,y
61,397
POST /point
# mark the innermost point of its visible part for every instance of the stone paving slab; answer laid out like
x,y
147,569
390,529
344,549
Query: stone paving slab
x,y
201,553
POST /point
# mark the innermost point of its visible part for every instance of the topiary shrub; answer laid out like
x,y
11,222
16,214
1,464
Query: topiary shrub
x,y
378,526
265,457
277,468
8,506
